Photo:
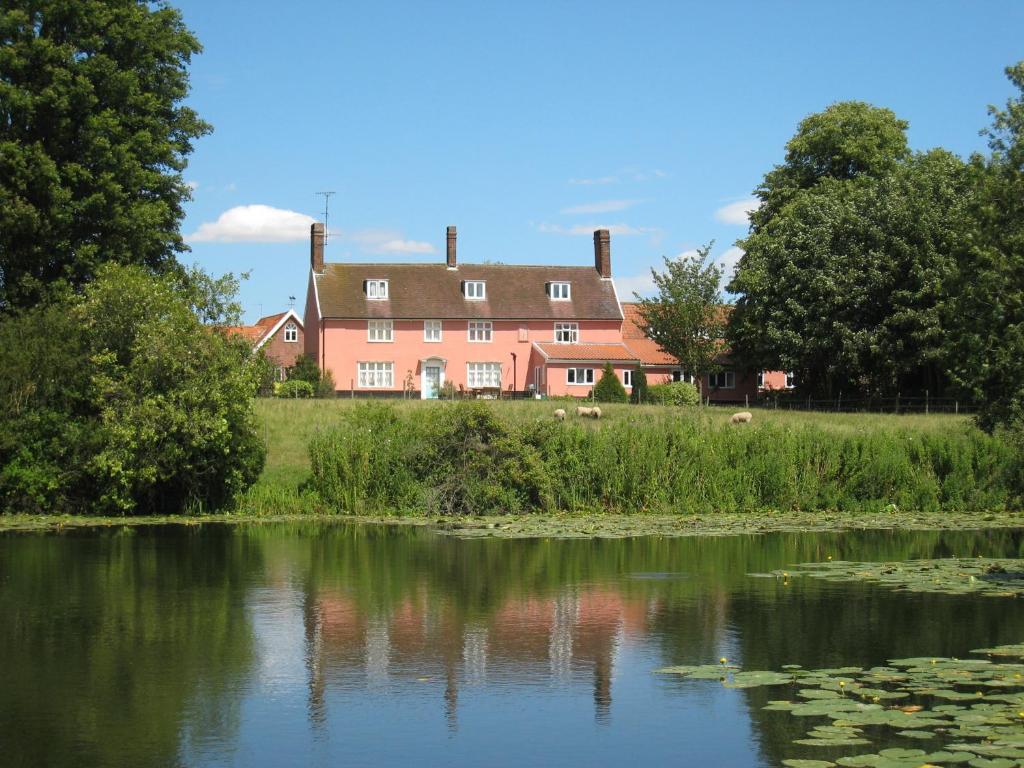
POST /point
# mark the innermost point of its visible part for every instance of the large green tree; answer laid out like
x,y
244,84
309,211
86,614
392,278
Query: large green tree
x,y
93,140
845,264
686,317
985,312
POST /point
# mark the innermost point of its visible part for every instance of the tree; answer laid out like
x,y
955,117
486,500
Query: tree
x,y
985,311
844,270
306,369
609,389
121,401
638,393
687,319
93,140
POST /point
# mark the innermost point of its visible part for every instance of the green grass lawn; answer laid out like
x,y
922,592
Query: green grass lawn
x,y
288,425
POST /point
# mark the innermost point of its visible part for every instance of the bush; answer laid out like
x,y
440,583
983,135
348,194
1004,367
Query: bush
x,y
676,393
121,401
294,388
638,394
609,389
306,369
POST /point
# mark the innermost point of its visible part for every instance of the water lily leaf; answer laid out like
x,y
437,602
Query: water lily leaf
x,y
755,679
793,763
815,693
835,741
916,734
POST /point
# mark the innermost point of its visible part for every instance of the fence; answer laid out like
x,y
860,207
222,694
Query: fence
x,y
898,404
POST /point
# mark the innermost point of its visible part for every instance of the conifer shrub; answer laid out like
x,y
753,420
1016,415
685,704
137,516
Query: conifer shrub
x,y
609,389
638,393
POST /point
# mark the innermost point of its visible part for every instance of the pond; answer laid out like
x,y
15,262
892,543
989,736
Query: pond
x,y
329,644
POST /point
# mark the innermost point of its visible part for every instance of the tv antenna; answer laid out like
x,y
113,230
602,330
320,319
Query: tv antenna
x,y
327,200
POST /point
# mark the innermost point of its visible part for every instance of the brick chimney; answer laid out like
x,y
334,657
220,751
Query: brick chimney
x,y
451,248
603,252
316,247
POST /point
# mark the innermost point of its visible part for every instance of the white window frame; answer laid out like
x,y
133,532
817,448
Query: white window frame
x,y
480,331
560,291
627,378
571,330
291,332
790,380
682,376
572,374
481,375
760,379
475,290
729,378
380,331
376,374
377,289
429,329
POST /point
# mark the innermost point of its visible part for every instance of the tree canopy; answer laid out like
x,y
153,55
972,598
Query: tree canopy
x,y
93,140
686,317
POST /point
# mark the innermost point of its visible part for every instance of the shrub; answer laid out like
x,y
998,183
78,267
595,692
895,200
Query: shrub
x,y
675,393
294,388
306,369
609,389
121,401
638,394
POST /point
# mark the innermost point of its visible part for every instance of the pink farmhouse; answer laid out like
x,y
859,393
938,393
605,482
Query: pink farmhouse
x,y
482,328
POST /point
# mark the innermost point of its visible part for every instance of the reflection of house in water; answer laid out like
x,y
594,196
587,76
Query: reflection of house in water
x,y
527,639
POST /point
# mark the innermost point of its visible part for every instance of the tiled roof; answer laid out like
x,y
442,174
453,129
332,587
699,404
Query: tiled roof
x,y
256,333
644,348
432,291
590,352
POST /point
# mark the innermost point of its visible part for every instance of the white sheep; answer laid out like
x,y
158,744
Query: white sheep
x,y
559,414
743,417
583,411
595,412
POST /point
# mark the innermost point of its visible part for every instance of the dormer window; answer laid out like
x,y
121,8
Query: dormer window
x,y
475,289
559,291
376,289
291,332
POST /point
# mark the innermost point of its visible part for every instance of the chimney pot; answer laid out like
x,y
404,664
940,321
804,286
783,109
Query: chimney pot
x,y
316,247
603,252
451,248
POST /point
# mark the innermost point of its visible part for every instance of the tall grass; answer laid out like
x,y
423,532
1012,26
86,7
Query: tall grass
x,y
478,459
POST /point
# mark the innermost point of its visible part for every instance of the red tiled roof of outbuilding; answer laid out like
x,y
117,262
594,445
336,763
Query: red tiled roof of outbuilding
x,y
613,351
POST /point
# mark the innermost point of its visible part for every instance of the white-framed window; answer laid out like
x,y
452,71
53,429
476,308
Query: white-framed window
x,y
431,330
722,380
376,289
627,378
475,289
567,333
376,375
681,375
480,330
380,330
559,291
483,375
760,379
291,332
790,380
579,376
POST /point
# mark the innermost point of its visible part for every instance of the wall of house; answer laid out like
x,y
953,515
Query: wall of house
x,y
557,378
311,321
283,353
346,345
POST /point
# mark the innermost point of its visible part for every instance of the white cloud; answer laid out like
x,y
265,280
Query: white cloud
x,y
254,224
588,229
193,185
737,213
728,261
592,182
389,241
626,174
604,206
691,253
657,173
627,286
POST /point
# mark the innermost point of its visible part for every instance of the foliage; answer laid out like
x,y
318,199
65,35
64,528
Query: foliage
x,y
638,393
686,318
384,459
608,388
305,369
447,391
93,140
985,311
326,387
674,393
846,264
120,401
294,388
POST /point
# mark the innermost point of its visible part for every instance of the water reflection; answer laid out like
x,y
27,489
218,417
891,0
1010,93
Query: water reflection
x,y
313,644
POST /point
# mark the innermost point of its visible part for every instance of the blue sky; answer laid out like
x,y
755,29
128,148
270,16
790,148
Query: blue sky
x,y
529,124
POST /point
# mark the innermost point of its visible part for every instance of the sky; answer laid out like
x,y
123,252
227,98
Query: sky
x,y
530,124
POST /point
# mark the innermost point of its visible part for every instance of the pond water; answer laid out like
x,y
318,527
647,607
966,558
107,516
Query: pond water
x,y
324,645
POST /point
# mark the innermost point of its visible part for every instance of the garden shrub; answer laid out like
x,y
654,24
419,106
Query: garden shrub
x,y
294,388
122,401
609,389
674,393
638,392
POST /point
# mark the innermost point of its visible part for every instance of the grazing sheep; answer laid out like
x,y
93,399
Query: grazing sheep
x,y
595,412
743,417
560,414
582,411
